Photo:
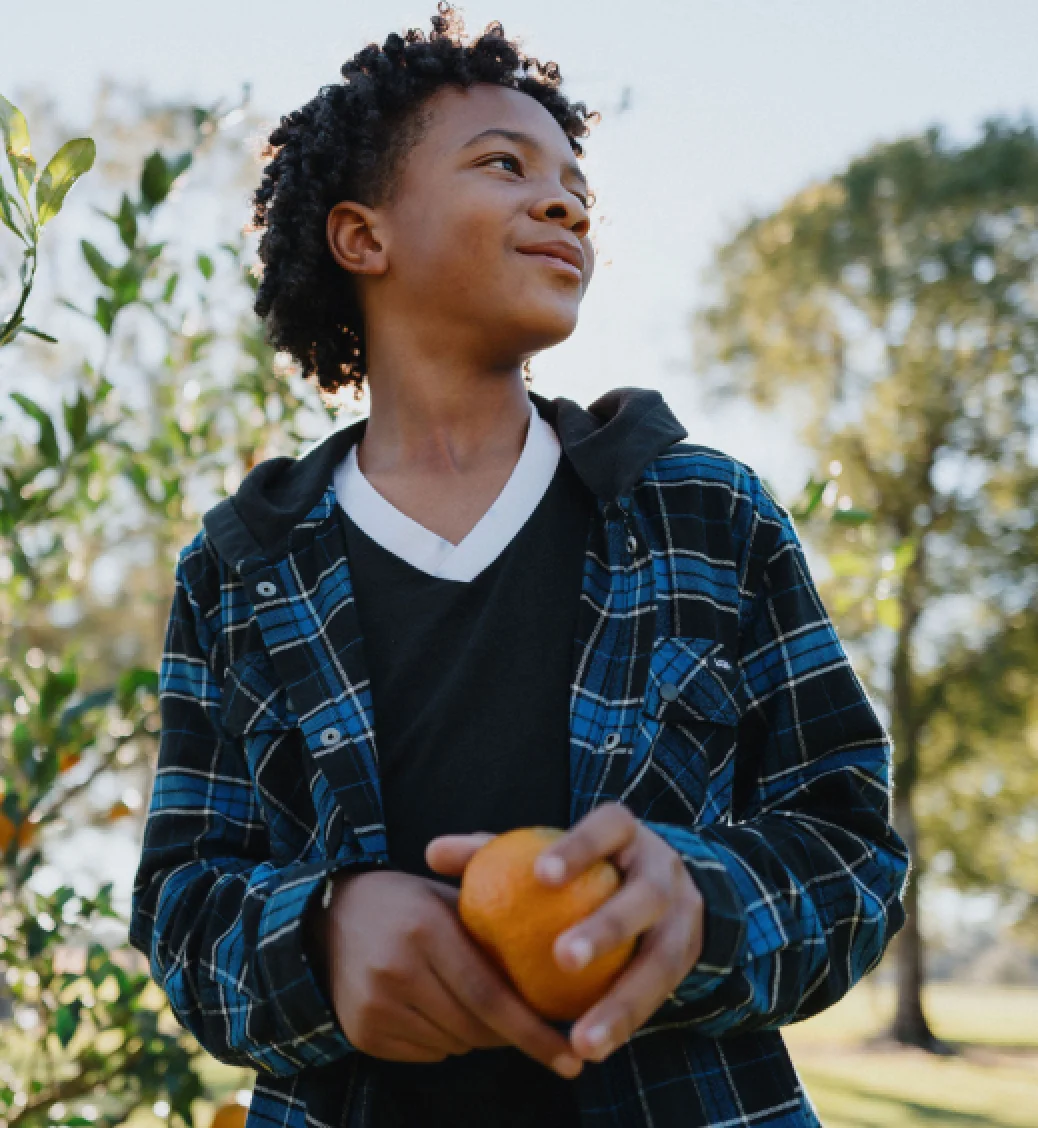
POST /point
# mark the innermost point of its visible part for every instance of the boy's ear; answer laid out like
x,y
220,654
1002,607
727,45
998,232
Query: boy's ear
x,y
350,230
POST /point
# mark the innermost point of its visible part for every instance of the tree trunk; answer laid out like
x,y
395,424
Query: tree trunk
x,y
910,1026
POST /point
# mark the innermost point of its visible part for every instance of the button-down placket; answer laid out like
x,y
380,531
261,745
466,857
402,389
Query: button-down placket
x,y
314,641
597,771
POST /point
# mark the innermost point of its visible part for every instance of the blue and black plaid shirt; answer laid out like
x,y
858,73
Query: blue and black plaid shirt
x,y
710,695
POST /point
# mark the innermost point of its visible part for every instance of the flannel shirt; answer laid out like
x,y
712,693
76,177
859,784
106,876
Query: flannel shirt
x,y
710,695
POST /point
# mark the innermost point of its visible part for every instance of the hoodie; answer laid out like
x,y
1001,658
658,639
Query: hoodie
x,y
711,696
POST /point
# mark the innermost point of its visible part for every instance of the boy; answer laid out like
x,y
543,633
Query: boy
x,y
478,609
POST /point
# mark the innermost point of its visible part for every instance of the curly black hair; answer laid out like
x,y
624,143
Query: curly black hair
x,y
347,143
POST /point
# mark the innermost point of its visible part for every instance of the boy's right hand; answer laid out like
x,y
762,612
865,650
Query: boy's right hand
x,y
409,984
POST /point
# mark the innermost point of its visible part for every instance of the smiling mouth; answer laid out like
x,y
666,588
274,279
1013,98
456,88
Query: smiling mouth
x,y
555,261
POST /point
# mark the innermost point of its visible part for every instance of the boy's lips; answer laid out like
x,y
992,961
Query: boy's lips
x,y
563,256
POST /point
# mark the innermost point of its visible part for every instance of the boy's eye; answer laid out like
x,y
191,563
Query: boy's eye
x,y
513,161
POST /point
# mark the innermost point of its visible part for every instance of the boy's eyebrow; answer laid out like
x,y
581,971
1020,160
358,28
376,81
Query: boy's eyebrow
x,y
526,139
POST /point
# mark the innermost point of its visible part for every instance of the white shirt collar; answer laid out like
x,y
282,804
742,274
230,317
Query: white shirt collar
x,y
424,549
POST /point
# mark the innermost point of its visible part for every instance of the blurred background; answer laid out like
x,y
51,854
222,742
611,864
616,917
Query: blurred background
x,y
817,236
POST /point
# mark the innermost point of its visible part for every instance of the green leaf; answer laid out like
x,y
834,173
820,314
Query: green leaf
x,y
68,164
851,516
16,145
127,284
66,1021
179,164
7,214
24,175
158,176
126,221
132,680
812,498
77,417
104,315
205,266
155,181
102,268
171,288
14,128
48,440
57,688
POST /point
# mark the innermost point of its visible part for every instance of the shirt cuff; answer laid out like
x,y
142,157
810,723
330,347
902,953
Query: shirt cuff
x,y
296,990
724,916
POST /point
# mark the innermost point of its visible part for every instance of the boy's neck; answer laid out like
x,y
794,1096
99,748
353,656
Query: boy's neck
x,y
460,425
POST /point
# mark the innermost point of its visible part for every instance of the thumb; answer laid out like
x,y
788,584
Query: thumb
x,y
449,854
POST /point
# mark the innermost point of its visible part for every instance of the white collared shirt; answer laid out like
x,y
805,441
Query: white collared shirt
x,y
424,549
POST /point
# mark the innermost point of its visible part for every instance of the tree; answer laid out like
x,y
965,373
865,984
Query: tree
x,y
898,301
85,473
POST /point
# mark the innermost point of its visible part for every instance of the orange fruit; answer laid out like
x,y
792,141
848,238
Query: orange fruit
x,y
23,832
232,1115
515,918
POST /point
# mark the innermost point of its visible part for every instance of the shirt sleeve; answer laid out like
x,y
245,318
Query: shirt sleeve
x,y
803,888
221,925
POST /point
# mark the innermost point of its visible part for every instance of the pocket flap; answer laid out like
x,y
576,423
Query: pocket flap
x,y
694,679
253,698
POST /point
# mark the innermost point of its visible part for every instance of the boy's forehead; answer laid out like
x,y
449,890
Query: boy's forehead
x,y
457,115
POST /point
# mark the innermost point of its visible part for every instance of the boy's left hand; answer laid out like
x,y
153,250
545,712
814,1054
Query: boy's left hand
x,y
657,900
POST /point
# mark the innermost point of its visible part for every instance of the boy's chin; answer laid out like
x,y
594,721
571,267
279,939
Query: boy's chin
x,y
541,333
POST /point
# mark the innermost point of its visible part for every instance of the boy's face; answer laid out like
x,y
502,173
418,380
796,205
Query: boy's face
x,y
455,249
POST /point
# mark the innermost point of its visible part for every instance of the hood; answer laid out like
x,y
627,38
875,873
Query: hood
x,y
609,443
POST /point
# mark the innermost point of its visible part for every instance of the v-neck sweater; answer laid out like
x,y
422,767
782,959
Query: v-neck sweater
x,y
470,683
409,540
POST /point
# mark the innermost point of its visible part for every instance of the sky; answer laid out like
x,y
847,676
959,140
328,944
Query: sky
x,y
731,108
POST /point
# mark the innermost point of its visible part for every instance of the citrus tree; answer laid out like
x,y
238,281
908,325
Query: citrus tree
x,y
100,460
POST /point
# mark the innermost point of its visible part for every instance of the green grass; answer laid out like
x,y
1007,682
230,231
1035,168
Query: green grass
x,y
991,1082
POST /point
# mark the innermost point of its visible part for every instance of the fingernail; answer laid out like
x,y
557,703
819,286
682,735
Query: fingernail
x,y
550,868
579,951
598,1036
567,1065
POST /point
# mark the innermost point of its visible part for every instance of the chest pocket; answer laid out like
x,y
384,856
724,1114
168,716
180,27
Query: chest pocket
x,y
684,757
256,711
253,698
693,680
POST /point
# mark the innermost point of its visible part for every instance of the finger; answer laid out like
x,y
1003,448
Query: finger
x,y
415,1022
398,1049
638,906
658,966
447,893
449,853
436,1000
603,832
480,987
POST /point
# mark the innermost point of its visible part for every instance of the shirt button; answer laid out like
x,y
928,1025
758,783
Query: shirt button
x,y
632,545
266,589
330,736
669,691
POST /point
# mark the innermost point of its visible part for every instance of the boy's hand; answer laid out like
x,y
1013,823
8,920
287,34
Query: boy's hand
x,y
409,984
658,900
